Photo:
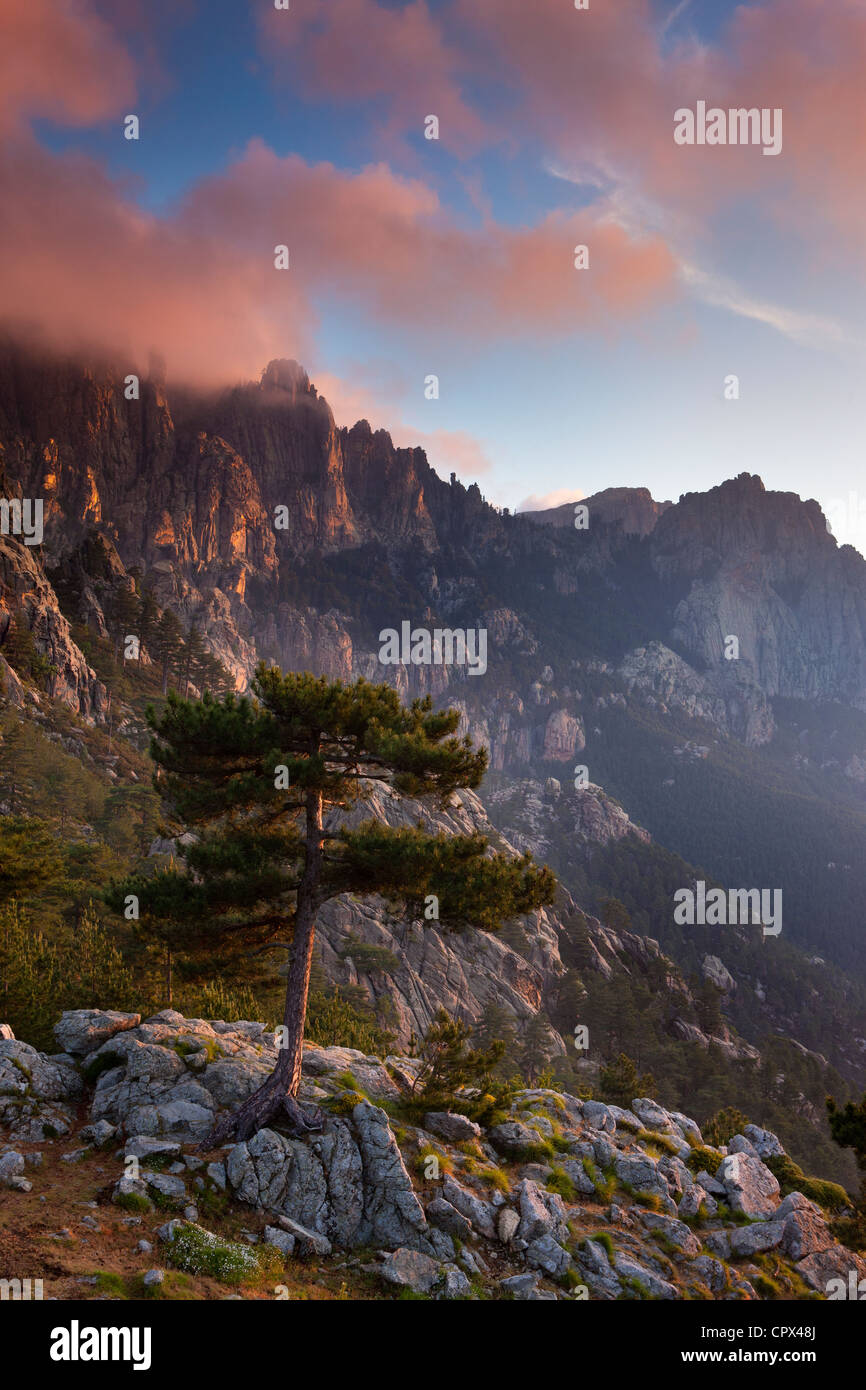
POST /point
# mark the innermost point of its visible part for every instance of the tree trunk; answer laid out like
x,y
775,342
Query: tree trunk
x,y
279,1092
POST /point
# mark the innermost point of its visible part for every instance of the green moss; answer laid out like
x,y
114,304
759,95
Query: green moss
x,y
133,1201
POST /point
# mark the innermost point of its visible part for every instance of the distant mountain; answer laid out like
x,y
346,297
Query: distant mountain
x,y
632,508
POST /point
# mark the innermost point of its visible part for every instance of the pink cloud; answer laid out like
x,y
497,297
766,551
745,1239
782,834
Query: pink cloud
x,y
60,60
77,256
599,88
356,50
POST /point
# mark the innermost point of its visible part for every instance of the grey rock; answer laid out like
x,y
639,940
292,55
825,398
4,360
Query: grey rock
x,y
599,1116
710,1272
130,1187
410,1269
627,1121
766,1144
144,1146
692,1201
99,1134
442,1214
171,1188
674,1231
575,1170
441,1244
710,1184
507,1224
454,1129
154,1277
283,1240
652,1115
654,1284
514,1139
541,1213
455,1284
688,1128
217,1174
546,1253
307,1239
835,1272
11,1166
750,1186
81,1031
604,1153
754,1239
479,1213
521,1286
804,1232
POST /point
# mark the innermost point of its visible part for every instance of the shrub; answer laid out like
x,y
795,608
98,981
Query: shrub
x,y
829,1195
201,1252
724,1125
561,1183
703,1159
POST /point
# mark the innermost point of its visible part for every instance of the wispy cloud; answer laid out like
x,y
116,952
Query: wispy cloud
x,y
810,330
674,15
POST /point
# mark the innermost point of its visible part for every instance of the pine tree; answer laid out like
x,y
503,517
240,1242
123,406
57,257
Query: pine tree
x,y
148,618
621,1084
193,653
536,1049
30,857
848,1128
254,779
168,643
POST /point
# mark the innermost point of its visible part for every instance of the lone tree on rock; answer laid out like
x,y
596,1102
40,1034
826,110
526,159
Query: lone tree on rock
x,y
260,783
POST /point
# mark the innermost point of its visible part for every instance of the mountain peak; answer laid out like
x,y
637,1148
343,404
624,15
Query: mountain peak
x,y
285,374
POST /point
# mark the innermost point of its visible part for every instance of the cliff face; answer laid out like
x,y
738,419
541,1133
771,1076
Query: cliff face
x,y
764,567
219,501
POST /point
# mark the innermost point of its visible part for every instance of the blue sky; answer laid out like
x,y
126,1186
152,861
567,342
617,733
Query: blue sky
x,y
716,262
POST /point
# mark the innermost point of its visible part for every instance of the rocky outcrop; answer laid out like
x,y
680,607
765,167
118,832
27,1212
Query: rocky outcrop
x,y
764,567
451,1208
728,697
